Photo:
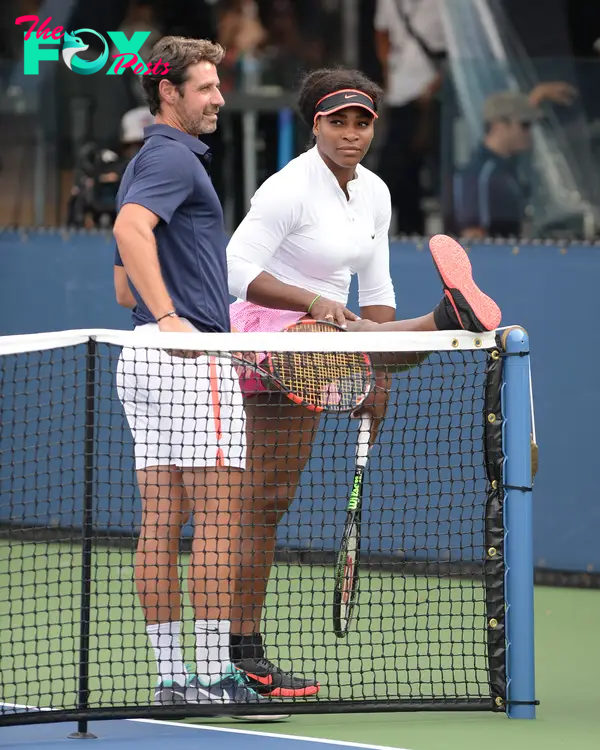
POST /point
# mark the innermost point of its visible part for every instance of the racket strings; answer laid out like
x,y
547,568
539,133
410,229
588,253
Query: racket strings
x,y
327,380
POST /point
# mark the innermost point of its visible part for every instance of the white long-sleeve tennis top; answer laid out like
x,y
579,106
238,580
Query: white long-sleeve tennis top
x,y
303,230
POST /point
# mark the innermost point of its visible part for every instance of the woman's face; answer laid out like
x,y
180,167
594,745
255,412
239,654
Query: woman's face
x,y
345,136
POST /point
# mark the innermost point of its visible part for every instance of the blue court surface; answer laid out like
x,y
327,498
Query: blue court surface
x,y
156,735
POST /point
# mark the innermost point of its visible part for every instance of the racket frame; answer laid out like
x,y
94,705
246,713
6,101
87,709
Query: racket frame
x,y
344,598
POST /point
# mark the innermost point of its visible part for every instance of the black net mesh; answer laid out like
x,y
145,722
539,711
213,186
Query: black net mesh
x,y
77,596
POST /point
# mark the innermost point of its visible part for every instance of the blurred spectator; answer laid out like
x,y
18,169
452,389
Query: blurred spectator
x,y
241,32
99,172
141,16
294,44
490,197
239,27
132,130
410,43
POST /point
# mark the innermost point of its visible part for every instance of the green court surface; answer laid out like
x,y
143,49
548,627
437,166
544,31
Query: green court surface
x,y
568,686
39,596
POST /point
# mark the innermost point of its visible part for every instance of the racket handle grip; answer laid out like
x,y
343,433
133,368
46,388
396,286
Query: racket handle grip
x,y
364,440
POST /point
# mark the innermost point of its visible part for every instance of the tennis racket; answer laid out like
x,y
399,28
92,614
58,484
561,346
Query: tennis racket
x,y
345,593
319,381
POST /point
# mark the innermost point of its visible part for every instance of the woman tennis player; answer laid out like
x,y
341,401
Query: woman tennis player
x,y
312,226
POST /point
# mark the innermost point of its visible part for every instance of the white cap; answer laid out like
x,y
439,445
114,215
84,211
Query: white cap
x,y
133,124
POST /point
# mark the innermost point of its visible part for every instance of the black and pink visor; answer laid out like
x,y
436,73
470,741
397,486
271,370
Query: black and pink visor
x,y
344,98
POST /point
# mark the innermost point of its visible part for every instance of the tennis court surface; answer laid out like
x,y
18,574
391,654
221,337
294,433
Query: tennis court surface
x,y
568,664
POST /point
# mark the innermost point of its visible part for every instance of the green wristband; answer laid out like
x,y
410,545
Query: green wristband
x,y
313,302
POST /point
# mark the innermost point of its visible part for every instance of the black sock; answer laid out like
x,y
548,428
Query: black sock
x,y
246,647
444,316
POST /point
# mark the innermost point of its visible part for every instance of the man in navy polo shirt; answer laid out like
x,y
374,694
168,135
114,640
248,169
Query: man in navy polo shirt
x,y
185,412
489,196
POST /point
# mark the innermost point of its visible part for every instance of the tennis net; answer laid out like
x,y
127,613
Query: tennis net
x,y
82,409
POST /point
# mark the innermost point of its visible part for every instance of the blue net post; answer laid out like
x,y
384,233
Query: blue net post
x,y
516,410
285,140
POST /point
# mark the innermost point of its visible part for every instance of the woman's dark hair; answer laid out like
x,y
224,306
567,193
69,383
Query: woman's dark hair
x,y
325,81
178,52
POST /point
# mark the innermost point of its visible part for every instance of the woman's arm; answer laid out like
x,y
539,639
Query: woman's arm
x,y
378,313
273,215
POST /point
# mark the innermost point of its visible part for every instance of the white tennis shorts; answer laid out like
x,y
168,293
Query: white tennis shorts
x,y
182,412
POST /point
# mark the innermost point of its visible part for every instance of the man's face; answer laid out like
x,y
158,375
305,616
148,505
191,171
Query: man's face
x,y
198,106
517,136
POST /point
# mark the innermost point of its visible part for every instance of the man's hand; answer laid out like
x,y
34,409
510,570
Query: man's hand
x,y
330,311
429,92
172,324
473,233
557,92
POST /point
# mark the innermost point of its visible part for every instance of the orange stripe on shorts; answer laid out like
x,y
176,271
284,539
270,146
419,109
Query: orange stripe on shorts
x,y
216,404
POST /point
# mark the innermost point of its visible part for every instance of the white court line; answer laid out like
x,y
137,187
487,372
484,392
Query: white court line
x,y
230,730
29,708
270,734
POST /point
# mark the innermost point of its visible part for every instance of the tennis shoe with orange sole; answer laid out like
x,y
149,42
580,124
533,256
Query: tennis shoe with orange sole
x,y
268,679
464,305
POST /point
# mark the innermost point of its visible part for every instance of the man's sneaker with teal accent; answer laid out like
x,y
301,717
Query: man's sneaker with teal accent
x,y
169,693
233,687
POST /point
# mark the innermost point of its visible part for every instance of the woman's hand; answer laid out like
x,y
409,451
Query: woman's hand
x,y
330,311
376,402
361,325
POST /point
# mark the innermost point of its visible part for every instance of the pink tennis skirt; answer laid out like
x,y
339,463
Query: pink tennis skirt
x,y
246,317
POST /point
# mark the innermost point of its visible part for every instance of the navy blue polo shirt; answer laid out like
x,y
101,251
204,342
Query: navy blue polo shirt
x,y
168,177
488,194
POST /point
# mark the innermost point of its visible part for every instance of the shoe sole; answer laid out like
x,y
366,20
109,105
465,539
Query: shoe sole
x,y
305,692
279,692
456,273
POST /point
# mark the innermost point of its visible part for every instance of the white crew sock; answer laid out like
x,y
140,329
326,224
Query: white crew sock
x,y
212,648
165,638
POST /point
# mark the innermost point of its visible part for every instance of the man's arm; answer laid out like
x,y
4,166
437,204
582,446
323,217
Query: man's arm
x,y
383,44
123,292
162,182
557,92
382,49
134,233
470,190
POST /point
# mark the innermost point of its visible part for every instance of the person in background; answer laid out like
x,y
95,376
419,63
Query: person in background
x,y
141,16
132,130
100,170
490,198
410,45
240,32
